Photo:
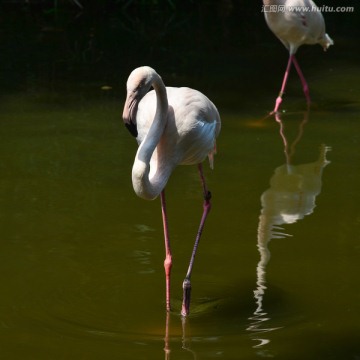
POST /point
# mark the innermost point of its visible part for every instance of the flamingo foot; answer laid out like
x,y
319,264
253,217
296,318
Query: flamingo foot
x,y
185,310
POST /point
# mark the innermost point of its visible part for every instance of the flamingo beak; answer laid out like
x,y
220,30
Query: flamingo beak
x,y
129,114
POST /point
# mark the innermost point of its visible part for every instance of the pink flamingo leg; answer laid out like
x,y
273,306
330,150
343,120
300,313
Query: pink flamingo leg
x,y
168,257
206,209
286,75
303,81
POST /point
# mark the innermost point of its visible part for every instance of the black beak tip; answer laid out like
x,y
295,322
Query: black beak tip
x,y
132,128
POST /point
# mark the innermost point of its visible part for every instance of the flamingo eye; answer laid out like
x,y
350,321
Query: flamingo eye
x,y
141,84
138,87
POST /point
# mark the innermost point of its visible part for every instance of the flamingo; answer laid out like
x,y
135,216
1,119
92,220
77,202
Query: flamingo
x,y
295,23
173,126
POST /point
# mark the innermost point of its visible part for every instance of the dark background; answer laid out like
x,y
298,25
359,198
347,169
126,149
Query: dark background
x,y
52,44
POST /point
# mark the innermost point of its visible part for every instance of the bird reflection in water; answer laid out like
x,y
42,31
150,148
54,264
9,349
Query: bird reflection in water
x,y
291,196
166,338
185,340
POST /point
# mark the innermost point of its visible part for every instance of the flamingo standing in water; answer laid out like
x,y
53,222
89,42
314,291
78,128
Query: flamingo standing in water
x,y
295,23
172,126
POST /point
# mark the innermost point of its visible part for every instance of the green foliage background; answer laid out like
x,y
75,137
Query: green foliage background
x,y
48,42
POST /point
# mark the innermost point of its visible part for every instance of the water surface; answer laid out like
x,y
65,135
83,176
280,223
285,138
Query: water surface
x,y
276,275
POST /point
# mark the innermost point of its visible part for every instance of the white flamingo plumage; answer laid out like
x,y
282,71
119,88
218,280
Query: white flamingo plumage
x,y
173,126
295,23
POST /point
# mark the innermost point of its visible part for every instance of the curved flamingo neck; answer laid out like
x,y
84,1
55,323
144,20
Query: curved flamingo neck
x,y
149,184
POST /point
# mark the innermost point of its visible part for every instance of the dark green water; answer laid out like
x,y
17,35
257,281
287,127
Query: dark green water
x,y
82,257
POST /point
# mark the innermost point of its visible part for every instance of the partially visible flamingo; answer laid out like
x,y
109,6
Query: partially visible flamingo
x,y
173,126
295,26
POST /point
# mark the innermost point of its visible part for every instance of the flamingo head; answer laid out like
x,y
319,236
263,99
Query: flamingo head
x,y
138,84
